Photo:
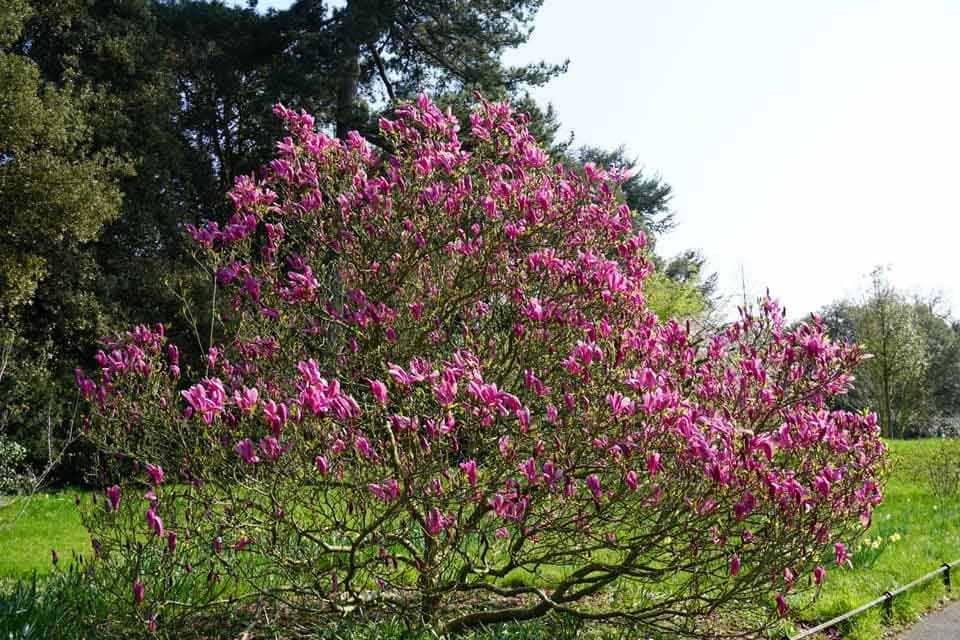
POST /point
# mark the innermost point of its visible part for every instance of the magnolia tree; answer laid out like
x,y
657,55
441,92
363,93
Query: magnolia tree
x,y
441,395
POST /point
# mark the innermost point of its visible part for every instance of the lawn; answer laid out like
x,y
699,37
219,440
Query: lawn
x,y
913,532
31,527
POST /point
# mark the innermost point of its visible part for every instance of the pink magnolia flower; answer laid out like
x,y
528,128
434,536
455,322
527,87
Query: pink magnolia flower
x,y
818,574
113,497
523,415
270,448
470,468
529,469
246,398
137,592
156,473
276,414
245,450
321,464
434,521
379,390
415,310
87,386
593,483
154,523
840,553
552,414
653,463
363,447
386,491
620,404
745,507
734,565
781,605
206,398
631,480
171,541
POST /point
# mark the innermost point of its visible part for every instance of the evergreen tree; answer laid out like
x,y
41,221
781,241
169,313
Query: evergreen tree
x,y
373,53
57,191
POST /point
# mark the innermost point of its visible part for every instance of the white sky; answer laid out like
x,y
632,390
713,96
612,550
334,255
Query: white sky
x,y
806,142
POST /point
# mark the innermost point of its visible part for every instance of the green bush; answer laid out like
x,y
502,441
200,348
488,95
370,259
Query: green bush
x,y
942,469
12,456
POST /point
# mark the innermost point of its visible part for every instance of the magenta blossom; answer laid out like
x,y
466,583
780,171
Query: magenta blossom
x,y
593,483
245,450
379,390
276,414
156,473
154,523
470,468
781,605
270,448
321,464
434,521
818,574
840,553
113,497
386,491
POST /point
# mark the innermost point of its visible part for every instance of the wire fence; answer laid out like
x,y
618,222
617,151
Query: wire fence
x,y
886,599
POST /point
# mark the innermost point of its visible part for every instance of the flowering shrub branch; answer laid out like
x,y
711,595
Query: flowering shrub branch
x,y
443,395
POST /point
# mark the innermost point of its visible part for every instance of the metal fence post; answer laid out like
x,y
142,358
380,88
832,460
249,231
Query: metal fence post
x,y
888,605
946,576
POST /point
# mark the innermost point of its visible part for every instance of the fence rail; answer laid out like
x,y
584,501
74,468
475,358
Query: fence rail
x,y
886,599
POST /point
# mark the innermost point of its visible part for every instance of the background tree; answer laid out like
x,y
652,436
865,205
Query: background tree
x,y
56,193
894,382
942,336
372,53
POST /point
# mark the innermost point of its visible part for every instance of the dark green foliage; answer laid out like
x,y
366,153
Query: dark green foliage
x,y
373,53
58,189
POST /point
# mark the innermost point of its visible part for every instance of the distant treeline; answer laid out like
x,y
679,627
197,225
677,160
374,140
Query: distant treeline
x,y
912,380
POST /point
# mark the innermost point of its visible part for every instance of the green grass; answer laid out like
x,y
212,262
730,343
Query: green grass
x,y
928,529
31,526
929,535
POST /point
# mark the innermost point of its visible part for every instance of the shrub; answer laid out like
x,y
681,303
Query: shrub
x,y
12,476
942,469
440,395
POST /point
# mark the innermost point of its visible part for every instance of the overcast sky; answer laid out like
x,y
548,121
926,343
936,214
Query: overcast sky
x,y
805,142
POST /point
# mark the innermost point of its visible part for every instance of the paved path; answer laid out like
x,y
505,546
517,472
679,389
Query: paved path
x,y
939,625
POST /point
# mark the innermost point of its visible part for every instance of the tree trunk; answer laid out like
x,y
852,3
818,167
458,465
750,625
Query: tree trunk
x,y
347,88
